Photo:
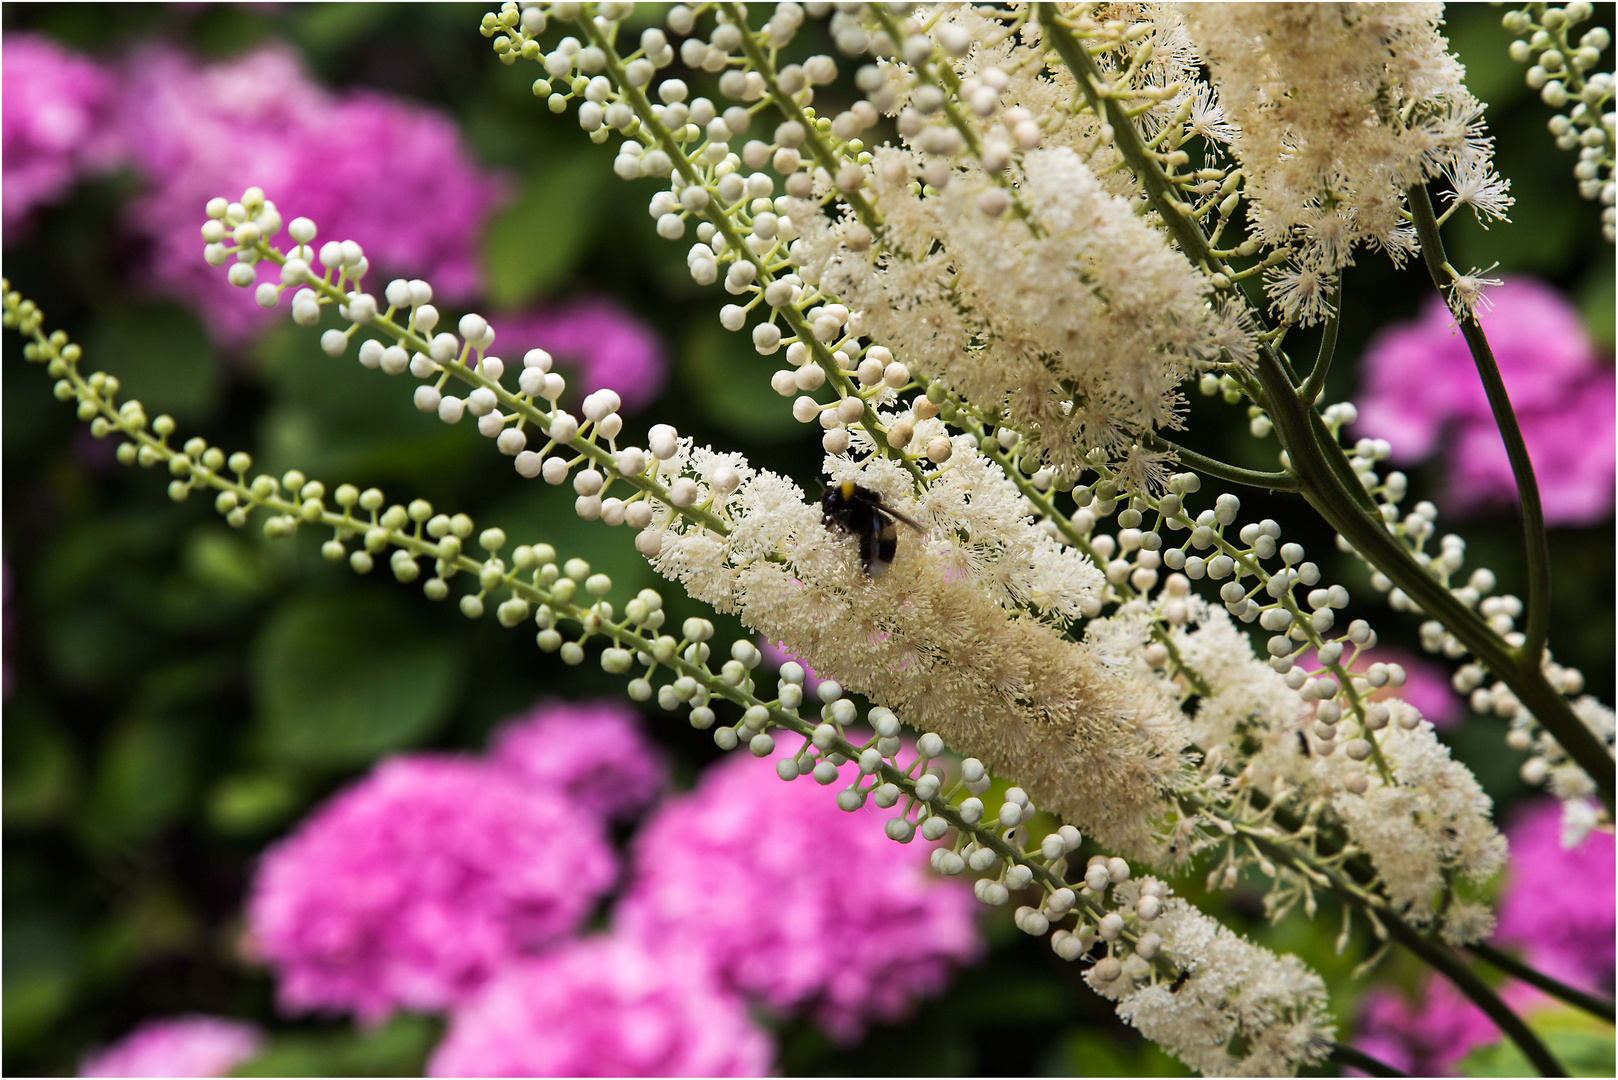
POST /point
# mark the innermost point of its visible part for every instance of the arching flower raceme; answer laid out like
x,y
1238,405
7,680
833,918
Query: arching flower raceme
x,y
412,887
197,129
603,1007
593,754
1336,110
612,348
55,123
792,901
178,1046
1423,395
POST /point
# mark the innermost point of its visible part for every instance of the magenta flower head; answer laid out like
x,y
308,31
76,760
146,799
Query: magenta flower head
x,y
1558,903
1423,394
795,902
603,1007
413,886
594,754
54,122
1428,1036
178,1046
612,349
391,175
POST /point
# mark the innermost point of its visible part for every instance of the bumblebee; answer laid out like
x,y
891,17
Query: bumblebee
x,y
862,513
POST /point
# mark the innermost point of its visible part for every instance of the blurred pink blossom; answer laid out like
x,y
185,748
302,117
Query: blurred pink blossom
x,y
1558,903
594,754
413,886
609,346
795,902
603,1007
54,121
1431,1034
1423,394
178,1046
364,166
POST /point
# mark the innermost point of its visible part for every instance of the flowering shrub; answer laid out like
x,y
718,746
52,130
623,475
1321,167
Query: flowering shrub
x,y
993,321
411,889
806,874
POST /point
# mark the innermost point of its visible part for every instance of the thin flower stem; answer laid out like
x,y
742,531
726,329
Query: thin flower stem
x,y
1596,1006
1326,481
1536,544
1442,959
1310,393
1436,955
1283,480
1351,1058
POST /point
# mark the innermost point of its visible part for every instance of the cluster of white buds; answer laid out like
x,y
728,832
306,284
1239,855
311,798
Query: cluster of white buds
x,y
1567,77
746,234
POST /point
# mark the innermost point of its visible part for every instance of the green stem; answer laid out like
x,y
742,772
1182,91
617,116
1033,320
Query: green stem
x,y
1437,956
1328,346
1219,470
1443,960
1535,543
1326,481
1596,1006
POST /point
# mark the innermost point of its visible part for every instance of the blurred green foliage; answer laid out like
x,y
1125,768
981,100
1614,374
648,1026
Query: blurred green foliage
x,y
179,693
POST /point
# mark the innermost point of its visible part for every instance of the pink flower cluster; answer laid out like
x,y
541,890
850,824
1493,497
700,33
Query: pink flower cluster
x,y
54,123
603,1006
1423,394
391,175
1430,1034
1557,909
414,886
1558,905
795,902
593,754
444,882
178,1046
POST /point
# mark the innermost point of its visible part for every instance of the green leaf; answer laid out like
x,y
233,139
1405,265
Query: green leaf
x,y
42,973
341,679
252,804
1579,1041
534,244
161,356
145,777
721,370
41,774
399,1049
1596,303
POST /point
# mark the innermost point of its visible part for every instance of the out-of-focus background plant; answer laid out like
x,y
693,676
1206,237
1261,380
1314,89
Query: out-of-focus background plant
x,y
270,816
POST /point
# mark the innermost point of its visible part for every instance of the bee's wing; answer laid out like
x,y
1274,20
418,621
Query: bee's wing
x,y
908,520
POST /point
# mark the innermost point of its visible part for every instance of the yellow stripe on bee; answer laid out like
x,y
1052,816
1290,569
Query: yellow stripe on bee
x,y
846,489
